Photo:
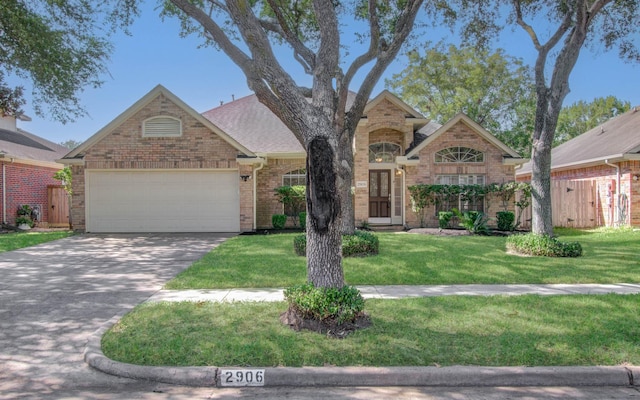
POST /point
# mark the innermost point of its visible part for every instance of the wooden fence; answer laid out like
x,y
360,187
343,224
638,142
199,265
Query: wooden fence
x,y
573,203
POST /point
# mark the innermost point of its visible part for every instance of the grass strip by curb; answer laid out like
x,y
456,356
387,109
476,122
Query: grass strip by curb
x,y
525,330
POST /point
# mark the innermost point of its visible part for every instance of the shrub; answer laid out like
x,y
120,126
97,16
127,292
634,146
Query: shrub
x,y
303,220
321,304
473,221
278,221
505,220
24,220
543,245
300,244
444,217
360,244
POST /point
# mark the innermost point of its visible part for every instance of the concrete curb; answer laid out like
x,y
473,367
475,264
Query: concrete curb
x,y
457,376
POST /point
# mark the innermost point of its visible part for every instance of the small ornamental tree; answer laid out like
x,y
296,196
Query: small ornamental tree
x,y
294,200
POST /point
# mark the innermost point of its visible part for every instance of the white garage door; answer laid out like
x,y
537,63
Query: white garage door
x,y
162,201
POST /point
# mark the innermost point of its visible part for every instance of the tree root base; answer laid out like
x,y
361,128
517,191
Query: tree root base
x,y
329,327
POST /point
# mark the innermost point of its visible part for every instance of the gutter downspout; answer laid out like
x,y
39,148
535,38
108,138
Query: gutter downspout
x,y
617,209
263,162
404,219
4,194
4,189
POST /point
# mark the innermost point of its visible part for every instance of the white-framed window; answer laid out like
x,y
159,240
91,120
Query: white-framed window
x,y
384,152
162,126
459,155
460,180
448,203
294,178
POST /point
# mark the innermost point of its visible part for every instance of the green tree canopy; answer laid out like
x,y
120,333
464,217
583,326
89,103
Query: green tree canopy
x,y
60,47
488,86
581,116
558,31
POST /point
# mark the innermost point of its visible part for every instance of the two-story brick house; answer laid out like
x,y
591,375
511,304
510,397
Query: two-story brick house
x,y
161,166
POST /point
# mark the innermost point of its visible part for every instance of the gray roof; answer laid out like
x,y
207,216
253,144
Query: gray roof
x,y
616,138
23,145
250,122
256,127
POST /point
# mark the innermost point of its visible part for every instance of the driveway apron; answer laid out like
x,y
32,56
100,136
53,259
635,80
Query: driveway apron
x,y
53,296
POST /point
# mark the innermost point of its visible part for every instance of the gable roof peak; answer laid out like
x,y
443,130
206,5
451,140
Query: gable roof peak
x,y
158,90
476,127
387,95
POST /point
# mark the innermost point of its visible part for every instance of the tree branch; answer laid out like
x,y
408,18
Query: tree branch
x,y
302,53
363,59
384,57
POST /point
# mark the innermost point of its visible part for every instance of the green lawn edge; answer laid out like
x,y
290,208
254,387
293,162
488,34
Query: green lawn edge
x,y
261,261
528,330
19,240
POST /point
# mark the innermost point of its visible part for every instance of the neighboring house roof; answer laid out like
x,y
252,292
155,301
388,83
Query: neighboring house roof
x,y
148,98
615,140
430,137
255,126
21,145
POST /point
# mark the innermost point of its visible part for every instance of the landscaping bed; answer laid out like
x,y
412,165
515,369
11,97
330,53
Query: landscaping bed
x,y
406,259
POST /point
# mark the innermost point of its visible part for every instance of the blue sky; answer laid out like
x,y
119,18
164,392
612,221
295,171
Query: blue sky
x,y
155,54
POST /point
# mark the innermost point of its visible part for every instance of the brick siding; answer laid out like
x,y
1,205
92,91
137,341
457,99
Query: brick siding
x,y
460,135
125,148
26,184
269,178
605,177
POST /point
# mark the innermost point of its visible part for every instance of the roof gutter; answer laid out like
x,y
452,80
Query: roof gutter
x,y
593,162
409,162
71,161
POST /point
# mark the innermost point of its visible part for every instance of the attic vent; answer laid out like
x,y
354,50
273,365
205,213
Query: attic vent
x,y
162,126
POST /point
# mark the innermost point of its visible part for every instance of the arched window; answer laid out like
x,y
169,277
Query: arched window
x,y
459,155
384,152
162,126
296,177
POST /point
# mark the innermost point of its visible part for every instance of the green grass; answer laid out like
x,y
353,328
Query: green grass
x,y
610,256
491,331
18,240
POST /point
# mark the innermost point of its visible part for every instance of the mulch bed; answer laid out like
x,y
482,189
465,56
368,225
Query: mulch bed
x,y
327,327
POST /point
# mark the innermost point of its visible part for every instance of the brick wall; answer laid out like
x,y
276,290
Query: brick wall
x,y
26,184
269,178
197,148
384,123
425,173
605,177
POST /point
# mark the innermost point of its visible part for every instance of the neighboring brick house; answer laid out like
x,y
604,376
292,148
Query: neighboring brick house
x,y
600,171
27,164
161,166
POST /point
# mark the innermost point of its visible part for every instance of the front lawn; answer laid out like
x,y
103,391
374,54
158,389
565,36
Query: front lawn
x,y
18,240
408,259
490,331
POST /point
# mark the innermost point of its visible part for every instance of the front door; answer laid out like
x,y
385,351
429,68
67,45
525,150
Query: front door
x,y
380,196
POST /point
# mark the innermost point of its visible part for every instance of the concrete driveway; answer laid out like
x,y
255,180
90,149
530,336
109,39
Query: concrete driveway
x,y
53,296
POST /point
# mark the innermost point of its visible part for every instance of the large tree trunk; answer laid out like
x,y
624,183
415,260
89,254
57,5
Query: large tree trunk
x,y
345,184
324,228
541,218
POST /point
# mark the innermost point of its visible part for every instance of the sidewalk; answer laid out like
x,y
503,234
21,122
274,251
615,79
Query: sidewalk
x,y
401,291
374,376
